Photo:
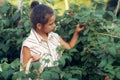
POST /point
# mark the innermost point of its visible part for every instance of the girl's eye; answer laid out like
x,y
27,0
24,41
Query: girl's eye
x,y
51,23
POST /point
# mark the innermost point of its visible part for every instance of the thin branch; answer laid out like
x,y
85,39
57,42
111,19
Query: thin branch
x,y
66,4
108,35
20,7
117,7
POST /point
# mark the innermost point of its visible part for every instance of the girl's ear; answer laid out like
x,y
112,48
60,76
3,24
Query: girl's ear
x,y
39,26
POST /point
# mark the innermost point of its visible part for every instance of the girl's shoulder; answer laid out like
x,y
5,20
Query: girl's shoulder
x,y
53,34
29,42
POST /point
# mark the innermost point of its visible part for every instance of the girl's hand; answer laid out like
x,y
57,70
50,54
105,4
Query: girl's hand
x,y
36,57
79,28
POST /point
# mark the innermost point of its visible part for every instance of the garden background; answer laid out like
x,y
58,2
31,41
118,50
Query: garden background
x,y
96,55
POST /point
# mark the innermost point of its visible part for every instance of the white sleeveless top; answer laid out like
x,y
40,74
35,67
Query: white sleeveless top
x,y
46,49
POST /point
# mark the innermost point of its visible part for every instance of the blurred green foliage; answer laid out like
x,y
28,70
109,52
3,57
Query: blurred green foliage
x,y
95,56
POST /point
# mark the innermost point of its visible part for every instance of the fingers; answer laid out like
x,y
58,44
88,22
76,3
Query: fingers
x,y
78,25
79,28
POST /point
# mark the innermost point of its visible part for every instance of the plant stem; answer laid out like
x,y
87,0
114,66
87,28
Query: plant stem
x,y
117,7
108,35
66,4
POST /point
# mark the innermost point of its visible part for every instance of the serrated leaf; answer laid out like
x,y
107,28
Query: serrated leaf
x,y
62,61
5,66
7,73
15,64
86,31
108,67
112,50
99,13
111,14
71,31
5,47
15,17
118,75
19,32
19,74
102,63
68,20
111,60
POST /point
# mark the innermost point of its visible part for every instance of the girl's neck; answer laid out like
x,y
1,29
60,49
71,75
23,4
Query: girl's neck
x,y
43,34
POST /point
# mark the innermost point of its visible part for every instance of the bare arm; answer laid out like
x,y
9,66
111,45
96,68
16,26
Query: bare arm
x,y
27,56
73,41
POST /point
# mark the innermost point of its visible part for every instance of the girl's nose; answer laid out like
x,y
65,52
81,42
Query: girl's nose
x,y
54,26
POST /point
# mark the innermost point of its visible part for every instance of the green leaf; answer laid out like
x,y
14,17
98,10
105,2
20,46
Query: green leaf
x,y
84,58
5,47
4,9
118,75
55,69
6,22
112,50
14,77
68,20
26,23
55,75
32,75
73,50
51,2
108,67
102,63
46,60
67,75
76,72
62,61
17,75
60,49
72,79
7,73
76,16
111,14
71,31
0,68
46,75
86,31
111,60
5,66
19,32
103,39
15,16
36,65
15,64
99,13
83,53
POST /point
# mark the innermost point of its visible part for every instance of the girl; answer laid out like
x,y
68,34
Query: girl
x,y
42,42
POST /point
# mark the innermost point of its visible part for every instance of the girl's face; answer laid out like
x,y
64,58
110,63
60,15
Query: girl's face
x,y
50,26
2,1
